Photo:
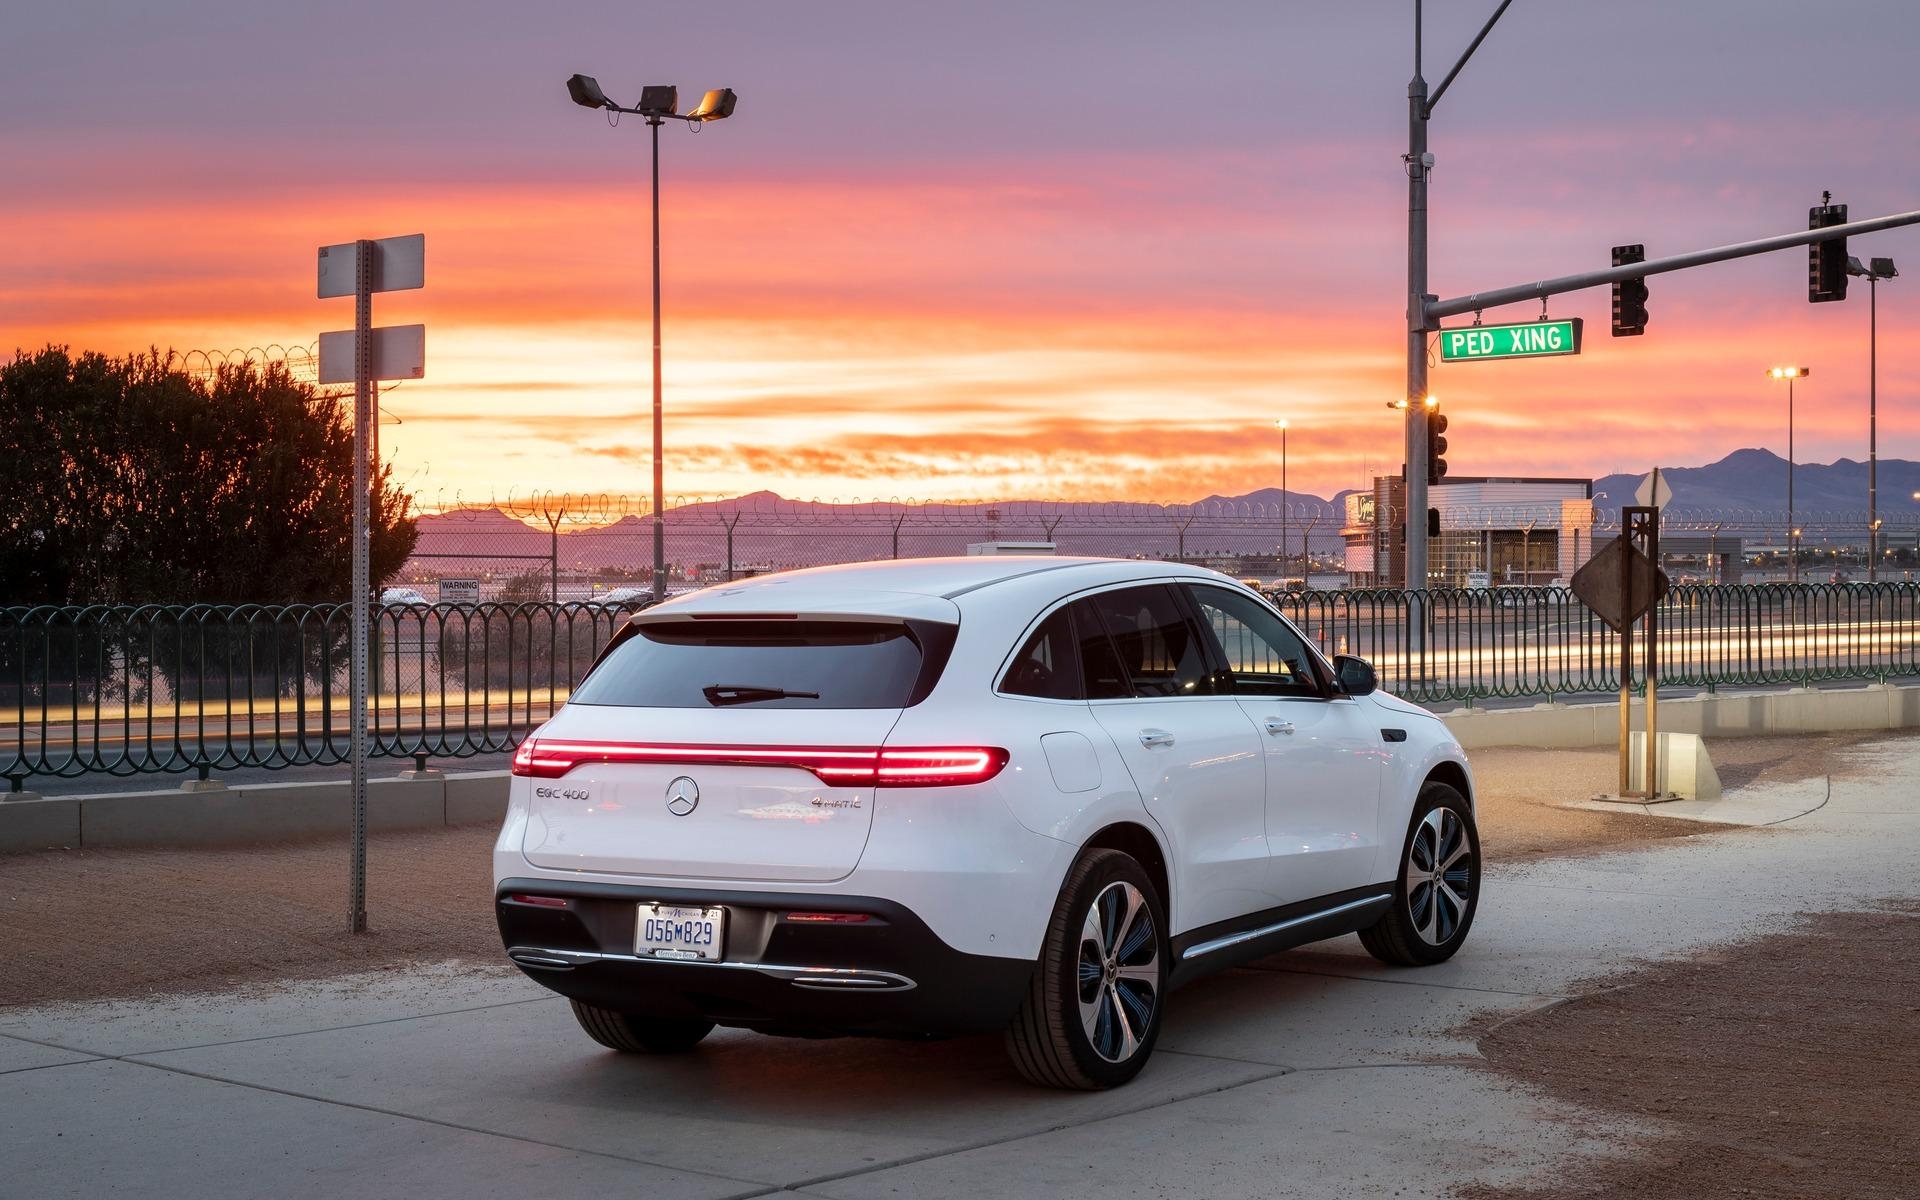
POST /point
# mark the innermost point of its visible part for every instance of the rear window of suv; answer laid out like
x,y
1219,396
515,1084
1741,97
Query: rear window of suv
x,y
754,664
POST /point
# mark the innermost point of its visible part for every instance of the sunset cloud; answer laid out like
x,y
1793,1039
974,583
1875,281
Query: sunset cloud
x,y
1010,251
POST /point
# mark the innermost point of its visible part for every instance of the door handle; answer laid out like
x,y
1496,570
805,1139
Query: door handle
x,y
1155,737
1276,726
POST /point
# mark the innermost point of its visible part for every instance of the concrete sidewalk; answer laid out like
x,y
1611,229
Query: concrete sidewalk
x,y
1316,1073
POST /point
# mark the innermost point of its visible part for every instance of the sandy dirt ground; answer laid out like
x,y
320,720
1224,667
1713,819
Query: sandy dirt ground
x,y
1788,1066
94,924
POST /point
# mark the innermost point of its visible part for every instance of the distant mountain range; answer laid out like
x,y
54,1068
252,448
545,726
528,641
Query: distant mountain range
x,y
770,530
1749,481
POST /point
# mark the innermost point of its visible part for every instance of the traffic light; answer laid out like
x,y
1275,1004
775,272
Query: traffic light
x,y
1436,445
1826,261
1433,522
1629,295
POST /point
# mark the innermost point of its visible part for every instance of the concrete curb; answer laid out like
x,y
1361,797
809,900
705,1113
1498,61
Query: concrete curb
x,y
267,812
249,814
1739,714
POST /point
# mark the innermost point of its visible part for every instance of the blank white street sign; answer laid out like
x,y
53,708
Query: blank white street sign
x,y
399,263
1654,491
399,352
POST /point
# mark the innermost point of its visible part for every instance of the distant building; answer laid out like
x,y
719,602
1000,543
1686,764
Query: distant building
x,y
1530,532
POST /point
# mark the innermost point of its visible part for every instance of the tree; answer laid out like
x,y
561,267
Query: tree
x,y
129,481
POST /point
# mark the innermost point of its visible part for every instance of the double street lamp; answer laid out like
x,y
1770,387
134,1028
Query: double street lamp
x,y
1793,534
1875,270
657,105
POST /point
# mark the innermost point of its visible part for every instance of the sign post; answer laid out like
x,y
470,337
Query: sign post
x,y
1643,526
1621,583
360,269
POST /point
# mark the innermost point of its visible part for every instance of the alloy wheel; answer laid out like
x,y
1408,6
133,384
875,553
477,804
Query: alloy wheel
x,y
1439,876
1119,977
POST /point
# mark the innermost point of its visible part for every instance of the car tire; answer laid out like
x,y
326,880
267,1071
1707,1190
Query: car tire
x,y
1093,1009
1437,888
632,1034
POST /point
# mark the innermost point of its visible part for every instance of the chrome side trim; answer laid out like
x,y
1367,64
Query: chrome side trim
x,y
825,979
1234,939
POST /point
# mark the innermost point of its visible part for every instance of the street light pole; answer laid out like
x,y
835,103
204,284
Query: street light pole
x,y
657,104
659,465
1873,273
1793,534
1282,423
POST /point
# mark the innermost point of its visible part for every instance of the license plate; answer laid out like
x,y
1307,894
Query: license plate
x,y
674,931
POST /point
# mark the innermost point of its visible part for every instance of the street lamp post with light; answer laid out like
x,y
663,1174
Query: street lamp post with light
x,y
657,104
1281,424
1876,270
1793,535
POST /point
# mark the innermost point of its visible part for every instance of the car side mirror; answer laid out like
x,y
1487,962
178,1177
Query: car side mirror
x,y
1355,674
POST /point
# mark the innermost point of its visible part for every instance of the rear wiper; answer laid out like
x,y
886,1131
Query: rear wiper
x,y
718,694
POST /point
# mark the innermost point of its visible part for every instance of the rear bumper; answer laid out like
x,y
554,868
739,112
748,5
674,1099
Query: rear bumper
x,y
888,975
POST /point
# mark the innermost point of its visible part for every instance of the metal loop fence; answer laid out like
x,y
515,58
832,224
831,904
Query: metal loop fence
x,y
158,689
129,690
1515,642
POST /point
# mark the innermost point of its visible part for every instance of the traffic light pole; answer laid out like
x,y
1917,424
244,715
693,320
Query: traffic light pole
x,y
1420,320
1425,312
1417,163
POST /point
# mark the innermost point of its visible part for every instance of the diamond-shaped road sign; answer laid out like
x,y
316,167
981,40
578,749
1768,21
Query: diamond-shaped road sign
x,y
1619,593
1654,491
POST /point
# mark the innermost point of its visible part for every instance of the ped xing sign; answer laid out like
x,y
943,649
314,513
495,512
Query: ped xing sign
x,y
1528,339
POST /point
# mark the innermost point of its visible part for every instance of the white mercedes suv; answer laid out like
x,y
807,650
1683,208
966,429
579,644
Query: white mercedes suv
x,y
939,796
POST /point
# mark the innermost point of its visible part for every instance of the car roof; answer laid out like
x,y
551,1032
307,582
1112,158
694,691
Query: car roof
x,y
911,587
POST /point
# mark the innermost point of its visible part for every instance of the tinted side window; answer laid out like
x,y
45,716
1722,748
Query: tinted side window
x,y
1264,657
1100,670
1048,666
1159,649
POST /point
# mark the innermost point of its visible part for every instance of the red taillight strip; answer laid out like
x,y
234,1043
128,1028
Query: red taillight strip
x,y
843,766
938,767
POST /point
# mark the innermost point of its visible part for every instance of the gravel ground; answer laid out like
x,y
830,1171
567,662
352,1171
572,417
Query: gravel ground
x,y
1807,1085
94,924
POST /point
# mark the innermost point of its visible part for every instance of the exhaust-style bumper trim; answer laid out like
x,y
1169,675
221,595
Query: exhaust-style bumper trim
x,y
824,979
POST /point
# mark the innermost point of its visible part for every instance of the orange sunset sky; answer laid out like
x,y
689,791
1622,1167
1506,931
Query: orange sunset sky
x,y
983,250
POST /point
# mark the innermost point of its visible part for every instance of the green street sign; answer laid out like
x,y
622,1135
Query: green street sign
x,y
1528,339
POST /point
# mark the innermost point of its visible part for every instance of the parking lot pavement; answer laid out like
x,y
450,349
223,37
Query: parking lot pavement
x,y
1318,1072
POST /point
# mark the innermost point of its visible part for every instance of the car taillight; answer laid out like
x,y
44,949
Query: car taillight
x,y
539,901
829,918
840,766
946,766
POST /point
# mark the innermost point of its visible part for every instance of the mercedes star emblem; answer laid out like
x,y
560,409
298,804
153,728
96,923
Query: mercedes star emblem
x,y
683,796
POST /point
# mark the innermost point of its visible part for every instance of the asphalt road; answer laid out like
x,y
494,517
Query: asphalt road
x,y
1312,1074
